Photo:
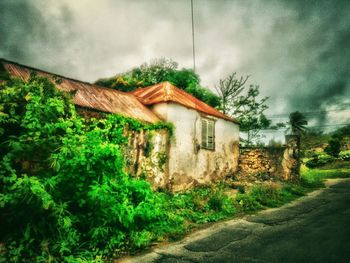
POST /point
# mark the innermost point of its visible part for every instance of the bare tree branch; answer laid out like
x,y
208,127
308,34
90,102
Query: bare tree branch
x,y
229,88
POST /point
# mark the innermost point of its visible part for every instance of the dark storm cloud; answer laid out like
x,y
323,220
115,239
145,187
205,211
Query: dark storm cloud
x,y
34,33
326,78
17,21
297,51
92,39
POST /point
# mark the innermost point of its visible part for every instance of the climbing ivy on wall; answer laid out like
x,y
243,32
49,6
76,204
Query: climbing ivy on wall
x,y
63,190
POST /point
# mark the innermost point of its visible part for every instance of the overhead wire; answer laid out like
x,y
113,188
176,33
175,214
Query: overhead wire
x,y
306,113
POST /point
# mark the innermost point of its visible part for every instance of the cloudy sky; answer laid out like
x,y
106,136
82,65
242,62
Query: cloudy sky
x,y
297,51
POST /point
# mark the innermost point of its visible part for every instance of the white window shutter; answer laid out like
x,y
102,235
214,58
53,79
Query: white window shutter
x,y
210,143
208,134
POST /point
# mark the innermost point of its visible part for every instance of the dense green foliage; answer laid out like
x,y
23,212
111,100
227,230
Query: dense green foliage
x,y
159,71
333,147
344,155
64,192
3,73
318,160
329,147
321,149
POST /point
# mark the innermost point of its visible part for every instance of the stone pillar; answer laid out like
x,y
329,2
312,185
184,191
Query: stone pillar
x,y
291,158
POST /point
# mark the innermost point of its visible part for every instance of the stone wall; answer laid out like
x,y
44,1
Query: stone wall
x,y
278,162
261,160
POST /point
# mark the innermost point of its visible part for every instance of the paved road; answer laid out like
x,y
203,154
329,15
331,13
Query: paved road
x,y
315,228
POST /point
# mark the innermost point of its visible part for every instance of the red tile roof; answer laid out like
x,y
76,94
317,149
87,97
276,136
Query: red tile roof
x,y
89,95
166,92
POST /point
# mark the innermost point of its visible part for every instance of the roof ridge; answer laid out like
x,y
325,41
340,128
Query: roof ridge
x,y
172,87
169,93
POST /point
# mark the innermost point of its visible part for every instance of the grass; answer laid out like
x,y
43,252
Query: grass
x,y
268,195
200,205
313,178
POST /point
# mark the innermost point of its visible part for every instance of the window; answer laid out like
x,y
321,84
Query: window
x,y
208,134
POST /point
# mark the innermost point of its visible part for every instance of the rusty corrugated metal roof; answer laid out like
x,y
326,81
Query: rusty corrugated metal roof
x,y
89,95
166,92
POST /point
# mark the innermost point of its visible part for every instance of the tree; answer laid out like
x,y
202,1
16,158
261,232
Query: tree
x,y
342,132
245,105
205,95
229,88
157,71
297,123
338,137
334,146
249,111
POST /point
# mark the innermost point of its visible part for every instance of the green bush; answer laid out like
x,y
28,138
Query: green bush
x,y
319,160
64,193
333,147
344,155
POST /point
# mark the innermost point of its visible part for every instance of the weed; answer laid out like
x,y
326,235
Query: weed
x,y
268,195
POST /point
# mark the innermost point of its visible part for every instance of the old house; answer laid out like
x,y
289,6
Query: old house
x,y
205,145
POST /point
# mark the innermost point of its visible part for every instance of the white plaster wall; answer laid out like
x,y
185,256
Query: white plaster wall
x,y
150,165
190,165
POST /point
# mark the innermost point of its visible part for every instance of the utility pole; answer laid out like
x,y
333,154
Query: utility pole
x,y
193,46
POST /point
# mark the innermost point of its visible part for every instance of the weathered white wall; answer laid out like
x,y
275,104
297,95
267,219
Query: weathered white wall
x,y
189,164
146,156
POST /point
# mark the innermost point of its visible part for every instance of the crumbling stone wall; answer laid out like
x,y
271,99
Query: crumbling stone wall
x,y
291,158
279,162
261,160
